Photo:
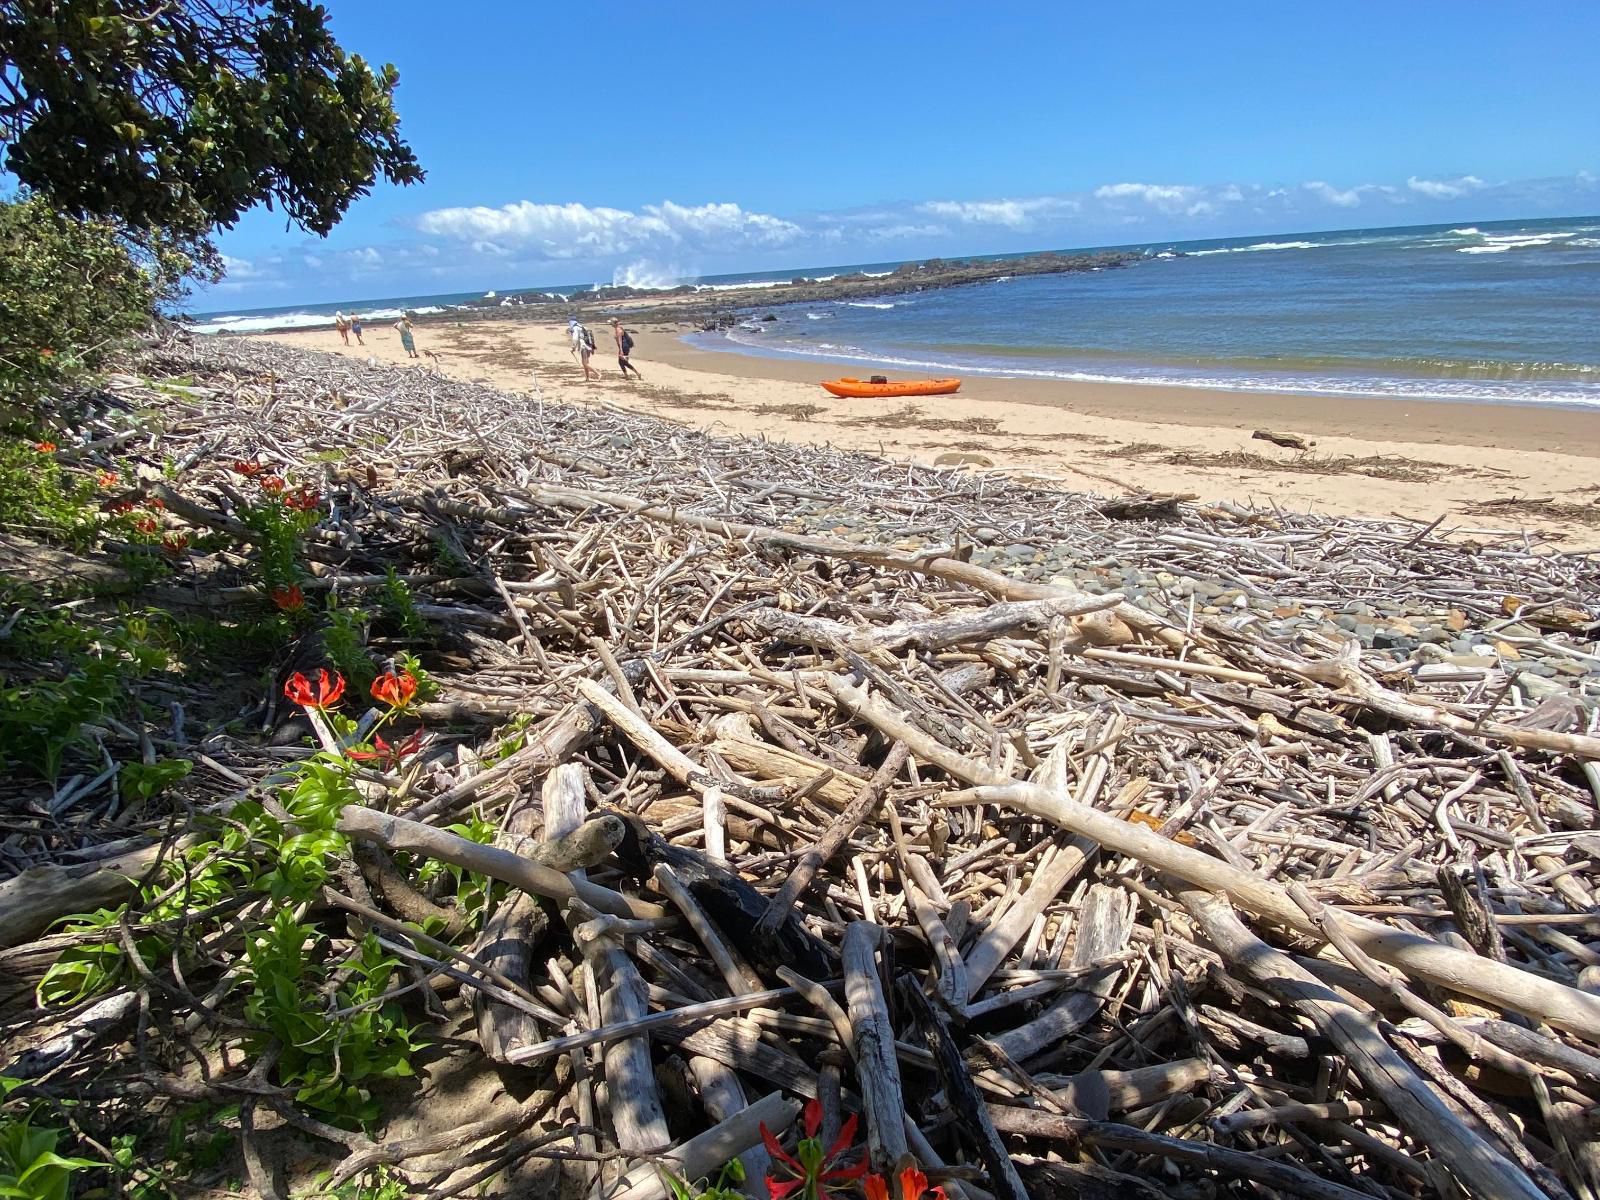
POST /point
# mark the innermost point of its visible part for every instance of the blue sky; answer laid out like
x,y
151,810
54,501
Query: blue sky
x,y
648,142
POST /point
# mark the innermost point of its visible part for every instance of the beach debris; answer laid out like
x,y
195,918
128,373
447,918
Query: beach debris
x,y
1147,507
1290,441
1064,845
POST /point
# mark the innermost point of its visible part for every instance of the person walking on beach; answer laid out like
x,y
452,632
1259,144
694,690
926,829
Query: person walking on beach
x,y
342,324
624,348
355,328
583,342
407,342
574,337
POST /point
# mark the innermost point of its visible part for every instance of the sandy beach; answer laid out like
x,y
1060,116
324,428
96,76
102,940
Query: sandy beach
x,y
1419,459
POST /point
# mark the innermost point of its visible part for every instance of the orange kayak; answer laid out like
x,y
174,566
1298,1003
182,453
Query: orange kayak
x,y
862,389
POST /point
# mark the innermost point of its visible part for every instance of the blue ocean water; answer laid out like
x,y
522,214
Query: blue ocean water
x,y
1505,312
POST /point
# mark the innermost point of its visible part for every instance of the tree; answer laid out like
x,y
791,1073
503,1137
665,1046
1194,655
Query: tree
x,y
71,293
178,115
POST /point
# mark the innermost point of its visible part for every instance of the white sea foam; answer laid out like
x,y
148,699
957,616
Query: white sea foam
x,y
1270,246
739,287
877,274
256,322
1499,243
818,316
866,304
1469,231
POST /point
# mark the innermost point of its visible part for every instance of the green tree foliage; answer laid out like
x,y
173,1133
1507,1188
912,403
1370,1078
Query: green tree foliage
x,y
178,115
71,293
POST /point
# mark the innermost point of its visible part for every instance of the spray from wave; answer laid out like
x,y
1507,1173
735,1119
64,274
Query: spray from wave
x,y
649,276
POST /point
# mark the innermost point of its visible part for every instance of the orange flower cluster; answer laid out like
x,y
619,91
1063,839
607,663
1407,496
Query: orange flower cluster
x,y
913,1186
395,690
323,690
289,597
45,447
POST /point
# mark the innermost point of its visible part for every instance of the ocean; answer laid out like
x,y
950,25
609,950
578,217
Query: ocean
x,y
1501,312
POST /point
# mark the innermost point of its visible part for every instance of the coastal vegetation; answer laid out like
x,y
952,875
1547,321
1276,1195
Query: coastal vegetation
x,y
409,787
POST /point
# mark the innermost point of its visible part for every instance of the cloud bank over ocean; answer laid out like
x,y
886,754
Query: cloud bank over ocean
x,y
532,242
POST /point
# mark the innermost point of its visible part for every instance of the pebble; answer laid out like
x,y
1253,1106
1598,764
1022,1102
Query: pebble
x,y
1536,687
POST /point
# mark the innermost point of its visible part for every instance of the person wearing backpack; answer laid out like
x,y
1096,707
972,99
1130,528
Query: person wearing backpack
x,y
583,343
624,348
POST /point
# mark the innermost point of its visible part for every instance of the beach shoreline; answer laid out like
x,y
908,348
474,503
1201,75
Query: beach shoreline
x,y
1421,459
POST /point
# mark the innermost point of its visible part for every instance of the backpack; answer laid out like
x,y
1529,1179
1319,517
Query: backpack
x,y
627,343
588,340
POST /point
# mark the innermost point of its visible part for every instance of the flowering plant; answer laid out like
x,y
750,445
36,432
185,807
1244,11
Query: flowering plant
x,y
305,499
328,689
913,1186
816,1172
390,756
395,690
289,597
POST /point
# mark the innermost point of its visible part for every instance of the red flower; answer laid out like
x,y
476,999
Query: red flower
x,y
120,506
47,353
329,688
303,500
248,469
108,480
396,691
913,1186
815,1169
271,484
289,598
156,502
145,524
175,544
45,447
390,756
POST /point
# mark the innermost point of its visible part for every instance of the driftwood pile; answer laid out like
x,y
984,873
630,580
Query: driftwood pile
x,y
1065,895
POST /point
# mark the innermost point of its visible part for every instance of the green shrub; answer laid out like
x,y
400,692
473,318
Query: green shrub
x,y
71,294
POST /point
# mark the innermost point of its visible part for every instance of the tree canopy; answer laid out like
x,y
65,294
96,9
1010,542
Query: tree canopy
x,y
178,115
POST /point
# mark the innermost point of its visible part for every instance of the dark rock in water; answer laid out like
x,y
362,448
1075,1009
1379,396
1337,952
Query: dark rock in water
x,y
770,317
733,904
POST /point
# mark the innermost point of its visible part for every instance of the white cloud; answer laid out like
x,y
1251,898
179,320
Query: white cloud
x,y
1446,189
1328,194
1014,214
1169,198
239,268
887,233
559,231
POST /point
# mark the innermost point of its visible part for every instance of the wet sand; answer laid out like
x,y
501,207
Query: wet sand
x,y
1438,457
